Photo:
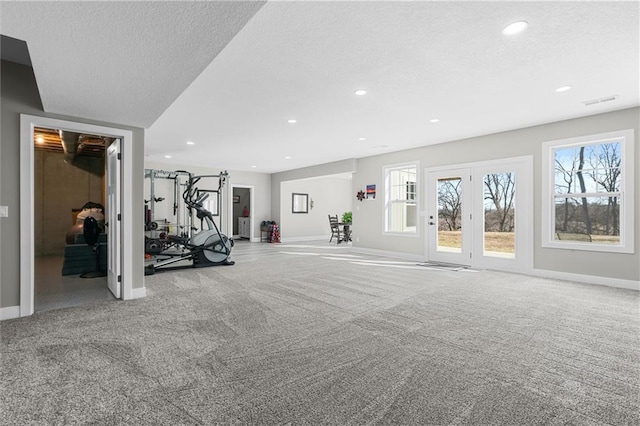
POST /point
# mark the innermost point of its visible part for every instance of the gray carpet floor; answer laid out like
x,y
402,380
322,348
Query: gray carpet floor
x,y
318,334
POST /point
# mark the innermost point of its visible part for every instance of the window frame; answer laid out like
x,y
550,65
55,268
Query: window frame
x,y
386,170
627,141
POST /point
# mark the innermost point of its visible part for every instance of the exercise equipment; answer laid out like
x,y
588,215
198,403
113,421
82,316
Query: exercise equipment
x,y
209,247
183,219
91,233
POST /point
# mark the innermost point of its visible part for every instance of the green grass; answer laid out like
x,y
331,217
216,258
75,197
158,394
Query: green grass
x,y
502,242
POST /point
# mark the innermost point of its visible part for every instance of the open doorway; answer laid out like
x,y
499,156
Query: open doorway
x,y
241,207
119,200
70,196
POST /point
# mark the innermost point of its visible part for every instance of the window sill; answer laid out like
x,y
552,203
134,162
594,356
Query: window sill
x,y
588,247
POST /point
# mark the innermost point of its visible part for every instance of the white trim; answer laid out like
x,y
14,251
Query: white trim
x,y
523,167
27,124
409,164
543,273
627,233
251,189
10,312
138,293
588,279
523,262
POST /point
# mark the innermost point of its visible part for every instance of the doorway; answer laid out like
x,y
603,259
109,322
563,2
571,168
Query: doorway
x,y
242,205
120,220
70,190
479,214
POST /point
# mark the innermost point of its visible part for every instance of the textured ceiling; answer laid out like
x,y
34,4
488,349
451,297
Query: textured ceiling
x,y
121,62
128,62
417,60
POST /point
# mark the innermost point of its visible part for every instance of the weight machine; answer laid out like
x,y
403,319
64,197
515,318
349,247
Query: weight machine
x,y
209,247
158,228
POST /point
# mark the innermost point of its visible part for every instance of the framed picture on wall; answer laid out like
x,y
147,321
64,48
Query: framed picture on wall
x,y
299,203
236,198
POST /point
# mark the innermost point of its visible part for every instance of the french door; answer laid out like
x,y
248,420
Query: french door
x,y
480,215
449,225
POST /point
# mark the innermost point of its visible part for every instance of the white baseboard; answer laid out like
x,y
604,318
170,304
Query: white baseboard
x,y
10,312
588,279
138,293
394,254
544,273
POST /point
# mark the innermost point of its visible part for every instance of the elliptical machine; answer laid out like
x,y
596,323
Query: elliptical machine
x,y
209,247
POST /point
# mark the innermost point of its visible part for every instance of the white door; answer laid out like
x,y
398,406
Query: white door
x,y
502,219
113,213
449,224
480,215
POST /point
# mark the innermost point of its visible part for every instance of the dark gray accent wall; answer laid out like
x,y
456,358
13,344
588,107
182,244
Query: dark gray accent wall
x,y
19,95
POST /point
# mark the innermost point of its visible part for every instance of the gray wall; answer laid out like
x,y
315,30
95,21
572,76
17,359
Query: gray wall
x,y
19,95
369,214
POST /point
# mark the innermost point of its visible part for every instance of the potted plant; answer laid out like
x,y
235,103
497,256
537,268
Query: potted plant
x,y
346,217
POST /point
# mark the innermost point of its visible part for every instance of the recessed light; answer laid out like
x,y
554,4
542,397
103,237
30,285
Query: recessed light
x,y
563,88
292,121
287,158
40,139
360,92
362,139
191,143
515,28
253,167
167,156
434,120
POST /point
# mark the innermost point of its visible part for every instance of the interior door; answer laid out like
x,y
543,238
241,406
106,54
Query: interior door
x,y
449,201
113,211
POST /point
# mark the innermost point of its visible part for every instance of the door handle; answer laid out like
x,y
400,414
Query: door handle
x,y
432,223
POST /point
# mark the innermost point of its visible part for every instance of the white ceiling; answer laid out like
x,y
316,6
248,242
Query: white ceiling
x,y
120,62
304,60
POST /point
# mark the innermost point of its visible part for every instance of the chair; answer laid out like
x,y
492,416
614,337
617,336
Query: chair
x,y
335,228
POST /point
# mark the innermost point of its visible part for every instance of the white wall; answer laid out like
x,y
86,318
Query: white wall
x,y
330,195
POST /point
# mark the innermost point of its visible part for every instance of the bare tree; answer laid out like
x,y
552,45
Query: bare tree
x,y
567,177
583,189
500,189
450,203
608,162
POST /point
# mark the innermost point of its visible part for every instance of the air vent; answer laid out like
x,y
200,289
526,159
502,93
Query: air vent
x,y
600,100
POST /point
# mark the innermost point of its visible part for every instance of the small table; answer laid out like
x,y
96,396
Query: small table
x,y
346,231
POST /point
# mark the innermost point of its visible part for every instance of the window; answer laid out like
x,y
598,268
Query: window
x,y
401,200
588,198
